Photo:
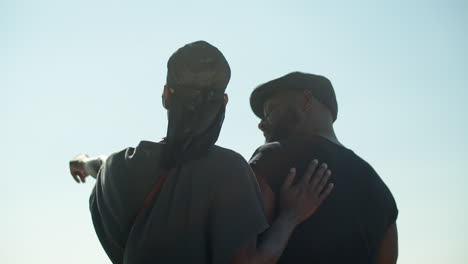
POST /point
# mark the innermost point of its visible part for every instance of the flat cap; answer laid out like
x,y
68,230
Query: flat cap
x,y
320,87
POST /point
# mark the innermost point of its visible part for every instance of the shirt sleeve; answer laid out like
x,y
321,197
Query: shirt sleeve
x,y
237,214
382,202
379,209
106,207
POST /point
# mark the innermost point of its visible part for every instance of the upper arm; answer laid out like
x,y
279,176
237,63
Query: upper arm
x,y
387,252
268,196
381,213
265,163
236,212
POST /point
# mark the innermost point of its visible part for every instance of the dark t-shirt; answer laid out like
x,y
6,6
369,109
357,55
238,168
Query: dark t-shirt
x,y
351,222
194,218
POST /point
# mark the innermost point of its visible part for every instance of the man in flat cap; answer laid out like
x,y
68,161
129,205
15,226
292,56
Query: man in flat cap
x,y
357,223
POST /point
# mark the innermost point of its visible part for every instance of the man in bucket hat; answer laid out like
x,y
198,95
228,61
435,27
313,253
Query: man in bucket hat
x,y
357,223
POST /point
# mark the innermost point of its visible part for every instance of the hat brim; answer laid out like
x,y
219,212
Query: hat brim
x,y
320,87
260,94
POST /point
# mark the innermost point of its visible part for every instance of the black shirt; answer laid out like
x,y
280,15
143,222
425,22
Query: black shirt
x,y
350,224
194,218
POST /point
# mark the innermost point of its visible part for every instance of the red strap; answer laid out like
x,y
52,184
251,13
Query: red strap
x,y
151,195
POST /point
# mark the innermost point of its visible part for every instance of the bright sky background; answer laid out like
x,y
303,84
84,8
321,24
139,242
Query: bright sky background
x,y
86,76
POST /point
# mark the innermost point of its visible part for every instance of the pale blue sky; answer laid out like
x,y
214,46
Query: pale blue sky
x,y
86,76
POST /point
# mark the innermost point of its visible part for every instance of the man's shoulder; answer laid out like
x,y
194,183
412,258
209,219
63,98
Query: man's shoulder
x,y
148,151
149,146
128,157
298,144
271,146
227,157
357,163
369,182
223,151
295,149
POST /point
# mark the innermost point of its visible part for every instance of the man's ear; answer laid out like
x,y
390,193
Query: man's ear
x,y
226,99
165,97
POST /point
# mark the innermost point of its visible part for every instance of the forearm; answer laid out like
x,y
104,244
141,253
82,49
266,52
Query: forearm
x,y
274,240
92,165
298,202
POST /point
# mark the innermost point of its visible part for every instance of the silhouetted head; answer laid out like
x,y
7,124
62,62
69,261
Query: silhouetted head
x,y
293,105
197,76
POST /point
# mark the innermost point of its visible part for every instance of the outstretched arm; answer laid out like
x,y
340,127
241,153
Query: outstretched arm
x,y
83,166
298,202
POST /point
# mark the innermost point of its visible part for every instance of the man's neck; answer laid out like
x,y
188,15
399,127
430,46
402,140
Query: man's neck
x,y
325,132
330,137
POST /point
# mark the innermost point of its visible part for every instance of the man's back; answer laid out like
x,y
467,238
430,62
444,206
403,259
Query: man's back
x,y
191,216
350,224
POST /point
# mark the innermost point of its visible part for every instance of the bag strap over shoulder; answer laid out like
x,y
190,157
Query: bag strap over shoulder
x,y
152,194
